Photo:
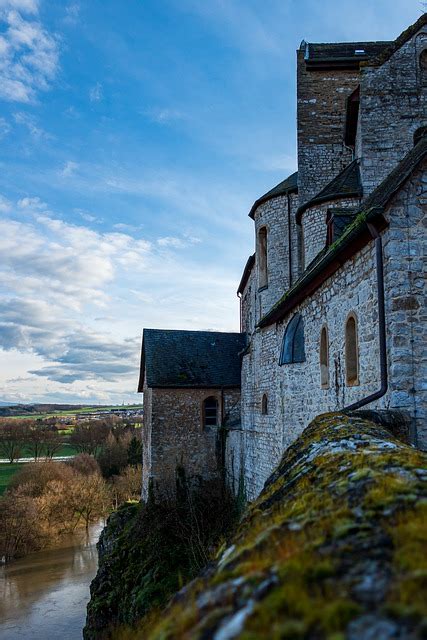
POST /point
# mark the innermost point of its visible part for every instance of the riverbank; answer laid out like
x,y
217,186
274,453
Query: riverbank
x,y
44,595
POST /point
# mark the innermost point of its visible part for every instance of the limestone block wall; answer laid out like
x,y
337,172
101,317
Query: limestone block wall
x,y
321,112
406,313
275,217
146,440
178,436
393,105
295,395
314,226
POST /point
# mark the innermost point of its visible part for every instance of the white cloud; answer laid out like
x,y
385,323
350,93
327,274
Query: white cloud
x,y
177,243
4,127
5,205
88,217
72,13
28,53
30,122
68,169
164,115
32,203
96,93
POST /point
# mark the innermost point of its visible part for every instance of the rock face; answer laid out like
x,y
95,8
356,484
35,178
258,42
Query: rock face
x,y
334,548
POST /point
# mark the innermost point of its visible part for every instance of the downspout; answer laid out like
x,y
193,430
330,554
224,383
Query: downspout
x,y
289,239
381,325
239,295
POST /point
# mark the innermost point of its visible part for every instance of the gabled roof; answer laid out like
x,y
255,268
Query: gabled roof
x,y
191,359
355,236
344,55
393,46
346,184
290,185
246,273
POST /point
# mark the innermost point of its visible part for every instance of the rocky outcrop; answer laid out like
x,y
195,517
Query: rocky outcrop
x,y
334,548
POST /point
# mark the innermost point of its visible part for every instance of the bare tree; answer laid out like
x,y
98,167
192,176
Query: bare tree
x,y
127,485
89,437
89,498
13,435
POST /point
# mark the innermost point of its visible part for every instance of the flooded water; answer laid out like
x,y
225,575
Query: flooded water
x,y
44,595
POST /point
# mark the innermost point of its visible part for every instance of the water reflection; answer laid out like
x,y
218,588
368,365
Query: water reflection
x,y
44,595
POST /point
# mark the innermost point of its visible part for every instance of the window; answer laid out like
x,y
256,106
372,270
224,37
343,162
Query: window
x,y
264,405
210,412
351,352
293,342
423,66
262,258
324,359
419,133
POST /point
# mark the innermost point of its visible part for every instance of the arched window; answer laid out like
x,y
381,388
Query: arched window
x,y
423,66
262,258
324,358
419,133
210,412
264,405
351,352
293,341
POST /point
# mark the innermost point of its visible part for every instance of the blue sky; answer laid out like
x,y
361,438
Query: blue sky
x,y
135,136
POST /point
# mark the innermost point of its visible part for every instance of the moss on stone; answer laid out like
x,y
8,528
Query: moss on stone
x,y
338,535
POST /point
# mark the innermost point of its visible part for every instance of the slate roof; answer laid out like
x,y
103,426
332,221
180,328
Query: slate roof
x,y
191,359
354,237
246,273
346,184
341,55
290,185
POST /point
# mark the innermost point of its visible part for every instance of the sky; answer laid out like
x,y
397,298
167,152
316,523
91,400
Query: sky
x,y
135,135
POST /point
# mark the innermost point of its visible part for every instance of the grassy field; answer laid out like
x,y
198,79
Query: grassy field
x,y
73,412
7,471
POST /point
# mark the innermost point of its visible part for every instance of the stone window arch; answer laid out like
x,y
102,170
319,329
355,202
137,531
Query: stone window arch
x,y
420,133
422,61
324,357
262,254
210,412
351,351
293,347
264,405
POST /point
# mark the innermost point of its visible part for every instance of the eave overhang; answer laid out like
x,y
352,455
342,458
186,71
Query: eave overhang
x,y
356,236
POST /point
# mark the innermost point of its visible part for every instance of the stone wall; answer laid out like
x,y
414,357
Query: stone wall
x,y
177,436
275,216
406,312
321,113
393,105
314,226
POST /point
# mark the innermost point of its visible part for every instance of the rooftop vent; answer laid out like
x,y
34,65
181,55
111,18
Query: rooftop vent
x,y
359,52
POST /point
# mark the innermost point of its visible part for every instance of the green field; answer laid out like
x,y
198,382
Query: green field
x,y
6,473
73,412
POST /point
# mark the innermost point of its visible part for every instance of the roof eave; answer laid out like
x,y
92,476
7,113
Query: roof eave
x,y
350,243
322,200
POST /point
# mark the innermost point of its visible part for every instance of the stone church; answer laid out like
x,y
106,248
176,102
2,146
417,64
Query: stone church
x,y
332,302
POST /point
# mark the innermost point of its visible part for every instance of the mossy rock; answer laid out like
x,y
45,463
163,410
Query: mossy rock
x,y
334,548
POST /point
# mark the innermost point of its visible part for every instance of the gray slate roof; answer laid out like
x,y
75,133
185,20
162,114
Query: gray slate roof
x,y
346,184
337,50
290,185
191,359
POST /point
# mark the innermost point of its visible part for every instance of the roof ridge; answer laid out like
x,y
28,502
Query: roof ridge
x,y
288,185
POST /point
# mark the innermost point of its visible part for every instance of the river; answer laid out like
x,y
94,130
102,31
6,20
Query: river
x,y
44,595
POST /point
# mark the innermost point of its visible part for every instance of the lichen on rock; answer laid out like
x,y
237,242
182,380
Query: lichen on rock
x,y
334,547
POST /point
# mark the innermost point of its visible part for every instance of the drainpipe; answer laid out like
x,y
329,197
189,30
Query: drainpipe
x,y
239,295
289,239
381,325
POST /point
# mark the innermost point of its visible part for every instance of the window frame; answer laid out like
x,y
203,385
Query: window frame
x,y
262,256
292,333
352,381
204,416
324,357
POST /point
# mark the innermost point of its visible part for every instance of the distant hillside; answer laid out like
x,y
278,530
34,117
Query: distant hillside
x,y
7,410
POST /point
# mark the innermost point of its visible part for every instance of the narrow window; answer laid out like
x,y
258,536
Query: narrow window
x,y
423,66
324,359
210,412
264,405
351,352
419,134
293,349
262,258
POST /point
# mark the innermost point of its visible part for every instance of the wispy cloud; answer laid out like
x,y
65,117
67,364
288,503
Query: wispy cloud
x,y
28,52
31,124
164,115
72,12
96,93
68,169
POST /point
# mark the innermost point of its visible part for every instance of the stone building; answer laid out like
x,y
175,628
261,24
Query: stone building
x,y
333,299
191,386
